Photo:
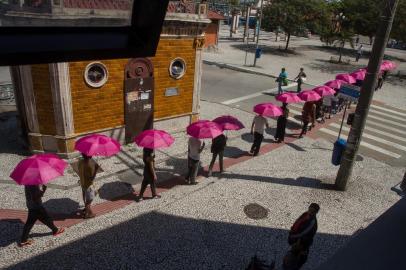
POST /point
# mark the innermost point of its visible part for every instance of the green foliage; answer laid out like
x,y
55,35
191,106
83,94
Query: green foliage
x,y
399,23
293,15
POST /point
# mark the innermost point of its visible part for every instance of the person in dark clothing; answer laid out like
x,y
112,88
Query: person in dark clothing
x,y
149,174
308,116
304,229
257,129
300,78
217,148
295,258
281,124
36,211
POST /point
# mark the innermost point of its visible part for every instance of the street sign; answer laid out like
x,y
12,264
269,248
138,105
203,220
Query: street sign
x,y
349,92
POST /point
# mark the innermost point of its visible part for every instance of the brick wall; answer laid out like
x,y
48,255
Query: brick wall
x,y
211,34
103,108
43,99
97,108
168,49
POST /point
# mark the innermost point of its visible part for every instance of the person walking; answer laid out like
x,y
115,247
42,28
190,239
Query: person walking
x,y
359,53
294,258
303,231
300,78
281,124
282,80
257,129
308,116
36,211
87,168
217,148
195,147
149,174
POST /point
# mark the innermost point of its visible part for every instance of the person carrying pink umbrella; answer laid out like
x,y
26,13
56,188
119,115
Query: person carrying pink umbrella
x,y
34,173
309,110
259,123
150,140
89,146
285,98
202,129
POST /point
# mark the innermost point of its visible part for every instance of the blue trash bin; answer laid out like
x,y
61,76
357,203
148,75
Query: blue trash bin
x,y
339,147
258,53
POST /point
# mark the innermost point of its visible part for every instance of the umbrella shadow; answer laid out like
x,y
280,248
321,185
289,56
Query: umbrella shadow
x,y
248,137
233,152
61,205
298,182
113,190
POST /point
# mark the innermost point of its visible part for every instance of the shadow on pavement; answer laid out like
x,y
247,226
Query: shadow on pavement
x,y
10,140
111,191
299,182
280,51
296,147
62,205
250,138
161,241
325,66
233,152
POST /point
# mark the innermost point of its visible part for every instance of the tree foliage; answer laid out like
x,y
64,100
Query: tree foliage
x,y
399,23
293,16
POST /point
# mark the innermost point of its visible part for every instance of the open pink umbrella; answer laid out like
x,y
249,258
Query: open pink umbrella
x,y
97,145
154,139
204,129
388,65
228,122
359,75
288,98
324,90
309,95
38,169
268,110
335,84
346,77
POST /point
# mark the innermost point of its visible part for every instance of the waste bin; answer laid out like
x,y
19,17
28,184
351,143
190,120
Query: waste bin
x,y
339,147
258,53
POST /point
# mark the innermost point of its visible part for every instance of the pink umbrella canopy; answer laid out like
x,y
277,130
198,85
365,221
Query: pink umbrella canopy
x,y
204,129
288,98
228,122
324,91
38,169
387,65
335,84
309,95
359,75
268,110
154,139
346,77
97,145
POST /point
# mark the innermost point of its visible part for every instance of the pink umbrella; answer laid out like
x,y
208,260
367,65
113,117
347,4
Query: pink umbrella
x,y
228,122
97,145
346,77
154,139
359,75
309,95
288,98
335,84
268,110
204,129
388,65
38,169
324,90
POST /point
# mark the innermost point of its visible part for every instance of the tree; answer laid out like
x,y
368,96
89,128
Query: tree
x,y
292,15
399,23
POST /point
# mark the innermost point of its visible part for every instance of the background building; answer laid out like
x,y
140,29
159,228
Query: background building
x,y
61,102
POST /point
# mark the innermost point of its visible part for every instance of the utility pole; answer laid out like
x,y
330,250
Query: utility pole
x,y
259,30
367,92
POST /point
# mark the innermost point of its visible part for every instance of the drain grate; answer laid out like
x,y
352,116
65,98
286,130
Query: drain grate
x,y
256,211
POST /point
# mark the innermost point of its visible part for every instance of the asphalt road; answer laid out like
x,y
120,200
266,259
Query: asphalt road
x,y
384,137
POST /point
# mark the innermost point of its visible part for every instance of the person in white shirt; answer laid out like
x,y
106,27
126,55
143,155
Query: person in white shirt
x,y
359,53
195,147
257,129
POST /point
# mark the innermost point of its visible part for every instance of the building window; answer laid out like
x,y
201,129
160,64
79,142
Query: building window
x,y
96,74
177,68
57,2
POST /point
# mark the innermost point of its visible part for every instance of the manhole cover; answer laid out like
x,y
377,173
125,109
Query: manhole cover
x,y
256,211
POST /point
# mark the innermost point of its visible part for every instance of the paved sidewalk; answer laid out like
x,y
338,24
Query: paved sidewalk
x,y
307,53
205,226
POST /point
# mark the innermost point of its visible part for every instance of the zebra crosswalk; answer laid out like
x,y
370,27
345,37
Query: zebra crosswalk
x,y
384,136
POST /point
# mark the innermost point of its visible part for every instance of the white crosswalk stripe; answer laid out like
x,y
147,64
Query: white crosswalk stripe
x,y
377,108
364,144
386,121
402,119
372,137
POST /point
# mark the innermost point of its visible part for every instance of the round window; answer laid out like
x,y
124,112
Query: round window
x,y
177,68
96,74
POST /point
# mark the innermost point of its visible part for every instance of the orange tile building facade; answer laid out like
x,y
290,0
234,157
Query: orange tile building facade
x,y
60,106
